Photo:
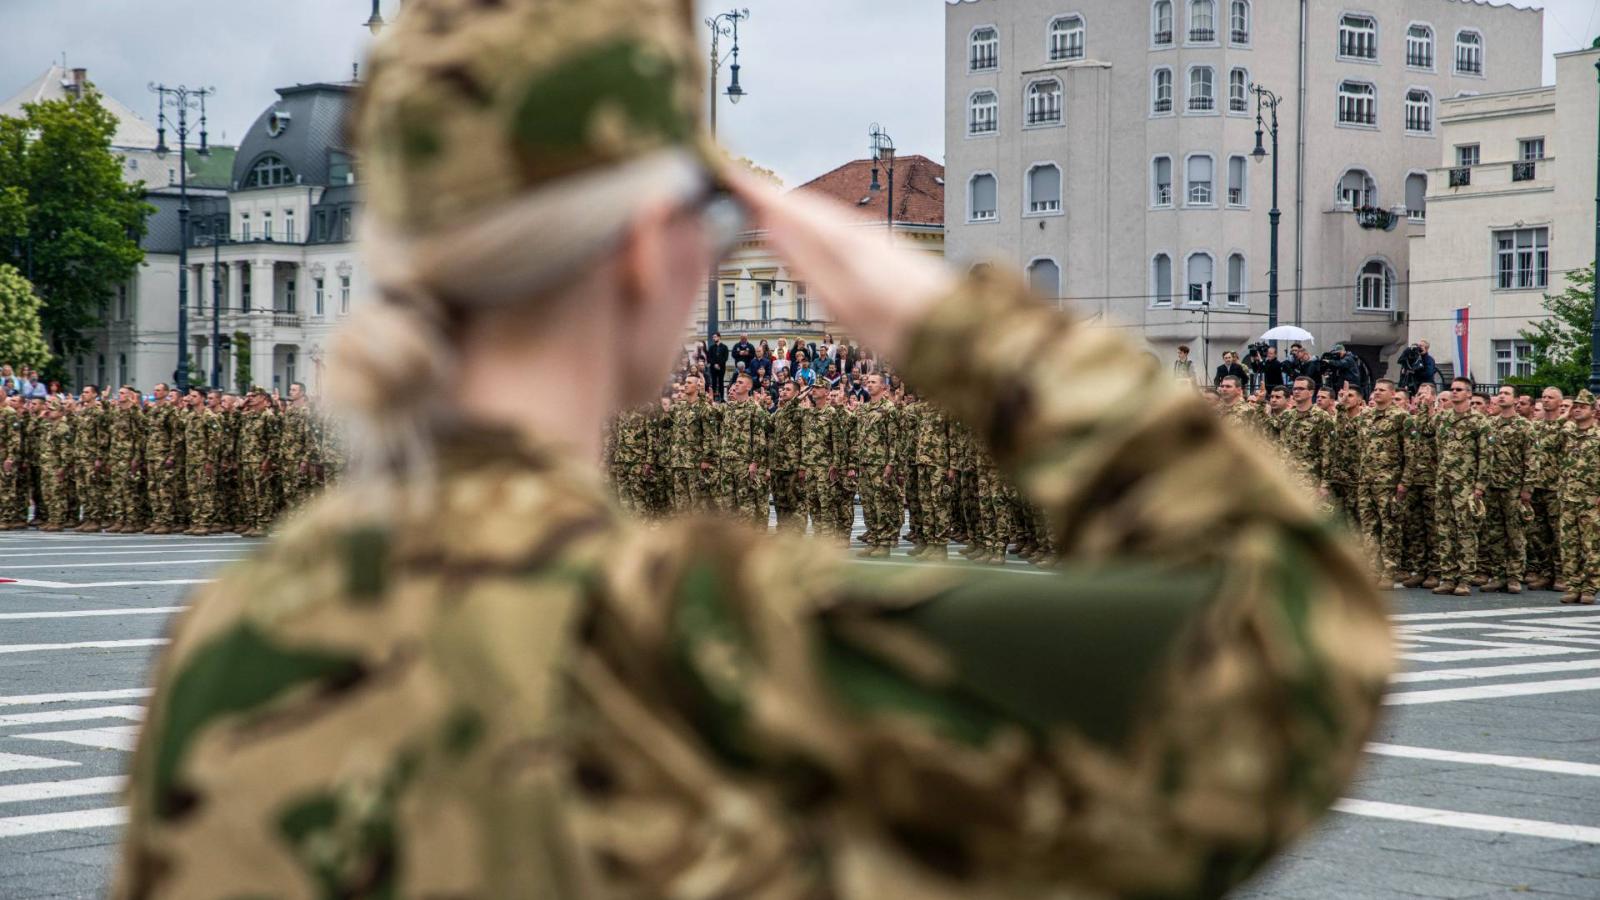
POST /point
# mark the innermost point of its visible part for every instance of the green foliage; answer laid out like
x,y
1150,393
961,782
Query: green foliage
x,y
21,341
1561,342
241,361
67,220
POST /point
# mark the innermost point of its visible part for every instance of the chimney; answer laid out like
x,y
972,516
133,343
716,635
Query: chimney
x,y
80,77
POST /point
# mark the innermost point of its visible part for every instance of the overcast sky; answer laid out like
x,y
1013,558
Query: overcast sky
x,y
818,72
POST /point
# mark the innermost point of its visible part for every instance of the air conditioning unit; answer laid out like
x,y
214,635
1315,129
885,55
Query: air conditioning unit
x,y
1397,317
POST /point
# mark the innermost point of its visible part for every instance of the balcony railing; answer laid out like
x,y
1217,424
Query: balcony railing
x,y
1163,195
1202,104
1358,117
1164,105
1419,60
286,319
984,60
1238,105
1461,176
1524,171
1239,37
1163,38
1044,117
1235,196
1202,35
1469,66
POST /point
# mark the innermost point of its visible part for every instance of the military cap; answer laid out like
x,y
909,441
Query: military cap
x,y
470,103
1584,397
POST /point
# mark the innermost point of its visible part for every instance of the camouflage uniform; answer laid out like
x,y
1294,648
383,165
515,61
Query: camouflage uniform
x,y
1546,461
934,467
1343,471
819,459
1580,510
742,443
203,434
907,426
630,454
1417,512
232,478
1463,445
56,454
964,509
1382,447
126,465
163,466
784,455
12,439
296,454
1503,549
89,436
258,437
880,494
660,484
1305,437
843,513
691,443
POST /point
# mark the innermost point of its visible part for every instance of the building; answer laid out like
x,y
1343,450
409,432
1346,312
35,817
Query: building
x,y
757,294
1106,150
135,139
1510,211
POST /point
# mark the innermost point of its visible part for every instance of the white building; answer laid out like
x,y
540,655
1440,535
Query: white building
x,y
1104,146
134,140
1510,210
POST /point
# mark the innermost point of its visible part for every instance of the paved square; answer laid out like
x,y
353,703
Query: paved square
x,y
1483,780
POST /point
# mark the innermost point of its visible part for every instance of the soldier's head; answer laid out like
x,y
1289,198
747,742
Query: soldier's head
x,y
1350,399
1231,388
740,389
89,394
1277,398
875,386
1304,392
1461,394
1526,408
127,396
1402,399
1505,405
159,391
1582,410
1327,401
691,387
1183,351
821,397
1383,393
297,392
786,392
1426,394
1566,408
1551,398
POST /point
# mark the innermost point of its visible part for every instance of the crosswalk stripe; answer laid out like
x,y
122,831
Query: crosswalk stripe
x,y
42,699
1530,763
212,548
1472,821
55,790
1486,613
17,762
7,567
16,826
1490,691
93,613
134,713
74,585
115,737
83,645
1538,668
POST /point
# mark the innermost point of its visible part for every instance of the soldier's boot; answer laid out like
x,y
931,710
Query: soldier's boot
x,y
998,559
867,553
114,528
89,526
1586,599
1445,587
196,531
1414,581
1538,583
1570,597
1480,580
917,549
1559,585
158,529
1384,583
49,527
1513,586
1432,581
1463,590
1492,587
937,552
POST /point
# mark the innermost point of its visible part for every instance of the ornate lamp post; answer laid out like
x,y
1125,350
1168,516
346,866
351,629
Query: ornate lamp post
x,y
1267,100
883,147
182,99
721,24
376,23
1594,327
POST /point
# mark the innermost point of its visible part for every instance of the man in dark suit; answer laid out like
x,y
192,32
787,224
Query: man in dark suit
x,y
716,365
744,352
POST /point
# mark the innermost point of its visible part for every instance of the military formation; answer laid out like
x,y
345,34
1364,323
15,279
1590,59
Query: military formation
x,y
1449,491
810,460
192,463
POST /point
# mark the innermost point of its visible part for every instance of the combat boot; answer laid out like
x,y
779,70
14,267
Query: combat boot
x,y
1570,597
917,550
196,531
1513,586
1560,585
158,529
1586,599
114,529
1463,590
1432,581
51,528
937,553
1414,581
998,559
1445,587
1538,583
1492,587
1479,580
88,527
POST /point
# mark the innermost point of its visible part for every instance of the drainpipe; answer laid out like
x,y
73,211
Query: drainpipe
x,y
1300,174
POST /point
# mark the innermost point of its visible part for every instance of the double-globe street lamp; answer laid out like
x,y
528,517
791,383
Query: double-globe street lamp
x,y
883,148
182,99
1268,101
722,24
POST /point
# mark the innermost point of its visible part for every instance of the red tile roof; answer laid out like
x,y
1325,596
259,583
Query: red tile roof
x,y
918,189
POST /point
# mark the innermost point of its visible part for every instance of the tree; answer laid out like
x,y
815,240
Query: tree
x,y
242,375
21,340
759,171
67,220
1561,341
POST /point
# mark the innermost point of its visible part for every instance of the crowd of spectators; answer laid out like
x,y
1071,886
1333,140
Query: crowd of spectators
x,y
808,363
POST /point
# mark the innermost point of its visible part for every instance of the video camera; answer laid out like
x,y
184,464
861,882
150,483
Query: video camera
x,y
1258,350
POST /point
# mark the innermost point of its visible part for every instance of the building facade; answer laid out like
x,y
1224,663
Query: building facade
x,y
1105,148
1510,212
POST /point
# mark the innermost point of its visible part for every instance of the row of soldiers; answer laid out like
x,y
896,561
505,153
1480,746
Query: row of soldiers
x,y
1449,491
192,463
812,457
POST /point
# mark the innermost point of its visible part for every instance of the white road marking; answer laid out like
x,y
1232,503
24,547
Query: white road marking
x,y
17,762
42,699
74,585
1531,763
1564,635
135,713
17,826
112,737
1484,613
83,645
1538,668
94,613
1490,691
52,790
1471,821
7,567
210,548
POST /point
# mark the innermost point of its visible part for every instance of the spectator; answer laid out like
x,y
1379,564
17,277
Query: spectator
x,y
9,382
780,357
716,365
744,351
1344,370
761,366
1230,366
1270,368
832,376
803,372
1183,366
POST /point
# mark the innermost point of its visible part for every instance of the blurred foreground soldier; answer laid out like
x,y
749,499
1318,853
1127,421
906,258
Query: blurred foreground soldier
x,y
469,677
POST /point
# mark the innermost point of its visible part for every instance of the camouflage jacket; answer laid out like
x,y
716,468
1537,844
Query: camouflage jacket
x,y
1305,437
1545,456
1508,450
875,431
933,438
1383,445
55,447
631,439
126,439
506,689
693,435
258,439
742,434
785,440
1580,474
202,438
1421,449
1344,448
819,438
11,435
1463,440
159,422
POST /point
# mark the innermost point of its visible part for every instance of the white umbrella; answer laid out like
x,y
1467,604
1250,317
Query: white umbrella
x,y
1287,333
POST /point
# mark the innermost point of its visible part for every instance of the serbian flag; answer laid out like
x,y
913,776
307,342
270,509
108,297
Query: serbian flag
x,y
1463,331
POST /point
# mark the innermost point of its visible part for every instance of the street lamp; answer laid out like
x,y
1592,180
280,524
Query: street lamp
x,y
182,99
1269,101
1594,316
883,145
721,24
375,24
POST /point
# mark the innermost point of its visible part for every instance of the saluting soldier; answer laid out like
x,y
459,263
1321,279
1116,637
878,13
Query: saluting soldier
x,y
742,454
1580,503
1506,498
1418,479
1463,440
788,497
1546,461
1343,471
163,467
875,459
1382,436
12,428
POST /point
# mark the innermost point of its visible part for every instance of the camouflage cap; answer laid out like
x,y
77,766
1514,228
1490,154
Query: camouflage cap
x,y
469,103
1584,397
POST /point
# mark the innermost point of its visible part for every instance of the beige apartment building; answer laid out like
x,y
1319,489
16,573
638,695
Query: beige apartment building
x,y
1104,148
1511,211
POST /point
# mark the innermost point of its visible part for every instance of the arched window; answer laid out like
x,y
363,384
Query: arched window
x,y
1066,38
1202,89
1161,23
985,113
1200,172
1044,277
1044,103
1417,197
1469,53
1239,22
1239,92
1161,280
1419,47
982,194
1199,268
269,171
1044,189
1161,92
1358,103
1419,111
1202,21
1357,189
1161,181
1358,37
1375,287
985,55
1236,279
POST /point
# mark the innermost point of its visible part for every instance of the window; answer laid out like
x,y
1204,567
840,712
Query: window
x,y
1200,171
984,115
100,370
1044,103
1162,92
1419,111
1202,21
1375,287
269,171
1161,280
244,226
341,170
346,224
288,368
317,286
730,301
172,175
1239,22
1161,22
1236,181
288,225
1202,89
1513,359
1357,189
1161,181
244,290
1419,47
1531,149
1358,37
1417,197
981,204
1044,189
122,302
288,295
1044,277
802,300
122,368
1467,155
985,50
1239,92
1200,268
1358,103
321,223
1066,38
1522,259
1469,53
344,294
266,225
1236,279
766,301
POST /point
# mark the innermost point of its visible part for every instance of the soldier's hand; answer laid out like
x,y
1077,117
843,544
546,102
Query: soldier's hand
x,y
833,473
209,469
752,470
950,476
888,471
8,465
799,474
98,465
264,467
1477,493
705,466
1399,490
168,463
649,470
851,473
305,467
1526,497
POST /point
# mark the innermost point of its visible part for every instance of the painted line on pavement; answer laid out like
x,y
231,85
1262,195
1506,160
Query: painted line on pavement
x,y
42,699
1490,691
16,826
94,613
73,585
55,790
17,762
1422,815
1485,613
208,548
1538,668
113,737
135,713
1531,763
7,567
83,645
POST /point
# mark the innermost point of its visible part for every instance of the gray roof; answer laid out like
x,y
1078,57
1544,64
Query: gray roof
x,y
161,227
315,128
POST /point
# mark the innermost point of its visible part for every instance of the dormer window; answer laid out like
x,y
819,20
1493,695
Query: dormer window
x,y
269,171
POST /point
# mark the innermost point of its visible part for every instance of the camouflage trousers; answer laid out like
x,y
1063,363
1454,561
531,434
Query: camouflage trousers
x,y
91,492
164,494
124,504
936,491
788,501
916,516
1343,496
203,497
741,493
57,487
822,501
964,510
1580,544
1378,512
259,501
1502,547
1543,535
994,512
1417,555
1456,534
689,493
11,487
633,490
844,506
880,507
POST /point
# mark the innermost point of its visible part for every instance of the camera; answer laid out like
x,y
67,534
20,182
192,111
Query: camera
x,y
1258,350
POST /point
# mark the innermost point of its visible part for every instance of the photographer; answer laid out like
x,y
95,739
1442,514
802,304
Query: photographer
x,y
1340,368
1417,366
1263,361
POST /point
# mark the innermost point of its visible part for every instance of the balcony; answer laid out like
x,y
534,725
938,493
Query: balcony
x,y
1469,67
1202,104
1202,35
1461,176
281,319
1526,170
984,61
1044,117
1163,38
1239,37
1374,218
1366,118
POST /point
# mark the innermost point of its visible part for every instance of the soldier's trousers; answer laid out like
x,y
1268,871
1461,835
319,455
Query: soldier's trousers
x,y
11,482
820,502
1543,535
1418,555
203,497
743,494
57,488
964,511
164,494
880,507
1580,544
844,507
1502,546
1344,499
1380,526
994,512
916,516
935,491
125,506
787,500
633,490
1457,534
687,493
